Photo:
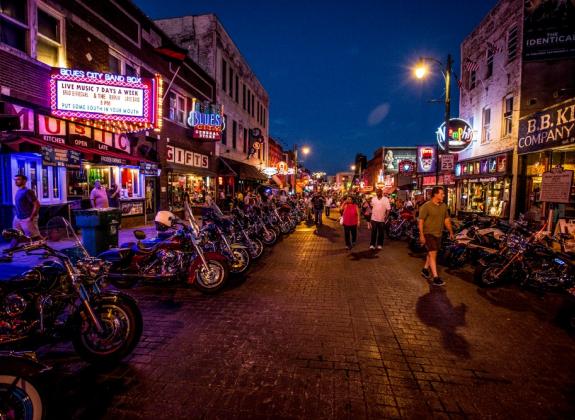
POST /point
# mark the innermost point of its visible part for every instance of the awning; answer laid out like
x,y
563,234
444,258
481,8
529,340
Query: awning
x,y
89,154
242,170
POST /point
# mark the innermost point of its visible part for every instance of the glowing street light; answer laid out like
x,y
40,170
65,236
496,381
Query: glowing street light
x,y
352,167
420,71
305,150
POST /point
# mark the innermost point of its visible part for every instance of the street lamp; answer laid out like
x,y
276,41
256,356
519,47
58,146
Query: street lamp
x,y
420,71
305,150
352,167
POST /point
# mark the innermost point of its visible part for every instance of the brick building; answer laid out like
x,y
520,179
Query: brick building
x,y
489,101
152,164
245,101
518,62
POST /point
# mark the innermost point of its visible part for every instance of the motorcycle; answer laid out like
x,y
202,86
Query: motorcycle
x,y
21,396
399,223
173,256
529,262
64,297
215,240
244,233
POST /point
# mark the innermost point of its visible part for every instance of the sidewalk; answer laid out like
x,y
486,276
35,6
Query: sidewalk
x,y
22,262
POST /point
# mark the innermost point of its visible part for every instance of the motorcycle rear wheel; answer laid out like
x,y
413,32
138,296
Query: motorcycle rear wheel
x,y
211,280
20,398
122,322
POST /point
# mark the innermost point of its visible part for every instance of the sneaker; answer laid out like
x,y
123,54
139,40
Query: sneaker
x,y
426,273
438,282
371,247
379,247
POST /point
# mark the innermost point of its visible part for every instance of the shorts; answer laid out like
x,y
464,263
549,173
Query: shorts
x,y
28,226
432,243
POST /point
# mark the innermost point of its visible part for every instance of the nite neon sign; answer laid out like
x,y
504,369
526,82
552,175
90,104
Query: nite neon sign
x,y
104,97
207,120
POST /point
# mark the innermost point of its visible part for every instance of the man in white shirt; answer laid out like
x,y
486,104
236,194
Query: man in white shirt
x,y
379,208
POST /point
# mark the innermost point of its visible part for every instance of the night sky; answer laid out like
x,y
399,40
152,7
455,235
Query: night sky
x,y
339,73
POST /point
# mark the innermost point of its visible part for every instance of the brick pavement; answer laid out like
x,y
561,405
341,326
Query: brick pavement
x,y
318,332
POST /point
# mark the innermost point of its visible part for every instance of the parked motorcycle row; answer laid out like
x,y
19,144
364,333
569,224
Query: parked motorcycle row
x,y
501,253
67,296
204,256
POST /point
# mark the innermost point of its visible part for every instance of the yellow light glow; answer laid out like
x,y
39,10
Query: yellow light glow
x,y
352,167
305,150
420,71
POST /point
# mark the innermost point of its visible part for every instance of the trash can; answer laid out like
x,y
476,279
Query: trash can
x,y
99,228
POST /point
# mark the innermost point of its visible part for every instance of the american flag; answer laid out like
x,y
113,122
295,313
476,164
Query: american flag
x,y
493,49
470,65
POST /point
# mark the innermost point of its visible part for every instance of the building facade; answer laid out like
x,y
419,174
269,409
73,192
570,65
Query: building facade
x,y
490,95
95,55
245,101
518,94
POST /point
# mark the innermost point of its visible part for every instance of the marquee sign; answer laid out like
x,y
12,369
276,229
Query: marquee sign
x,y
460,135
126,103
207,120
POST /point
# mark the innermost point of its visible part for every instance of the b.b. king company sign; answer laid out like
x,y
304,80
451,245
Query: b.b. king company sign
x,y
552,127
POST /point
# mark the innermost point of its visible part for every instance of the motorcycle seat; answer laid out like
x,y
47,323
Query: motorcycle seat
x,y
143,249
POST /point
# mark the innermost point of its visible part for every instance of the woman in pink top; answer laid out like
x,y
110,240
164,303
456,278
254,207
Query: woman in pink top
x,y
350,214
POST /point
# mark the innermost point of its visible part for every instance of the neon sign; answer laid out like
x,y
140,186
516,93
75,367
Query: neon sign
x,y
460,135
426,159
111,101
207,120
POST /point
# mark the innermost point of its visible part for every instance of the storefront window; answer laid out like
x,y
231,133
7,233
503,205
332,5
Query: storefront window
x,y
130,179
99,173
33,178
55,182
77,183
45,186
489,198
182,186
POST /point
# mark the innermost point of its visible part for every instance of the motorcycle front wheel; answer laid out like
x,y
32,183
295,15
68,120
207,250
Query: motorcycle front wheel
x,y
19,398
486,275
241,261
256,248
269,238
122,325
210,280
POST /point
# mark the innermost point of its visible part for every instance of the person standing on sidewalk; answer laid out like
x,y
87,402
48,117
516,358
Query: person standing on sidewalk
x,y
328,204
318,204
433,216
350,221
380,207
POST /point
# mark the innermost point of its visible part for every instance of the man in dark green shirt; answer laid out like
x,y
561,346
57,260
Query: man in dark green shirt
x,y
433,216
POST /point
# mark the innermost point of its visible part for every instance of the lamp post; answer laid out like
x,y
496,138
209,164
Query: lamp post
x,y
305,150
421,71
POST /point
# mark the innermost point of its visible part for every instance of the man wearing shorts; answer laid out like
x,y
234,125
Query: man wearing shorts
x,y
433,216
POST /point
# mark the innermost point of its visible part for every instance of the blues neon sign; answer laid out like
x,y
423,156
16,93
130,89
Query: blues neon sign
x,y
207,120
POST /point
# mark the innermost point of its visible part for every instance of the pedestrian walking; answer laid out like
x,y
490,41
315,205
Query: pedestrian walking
x,y
380,207
114,195
318,203
350,219
98,197
328,204
433,216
